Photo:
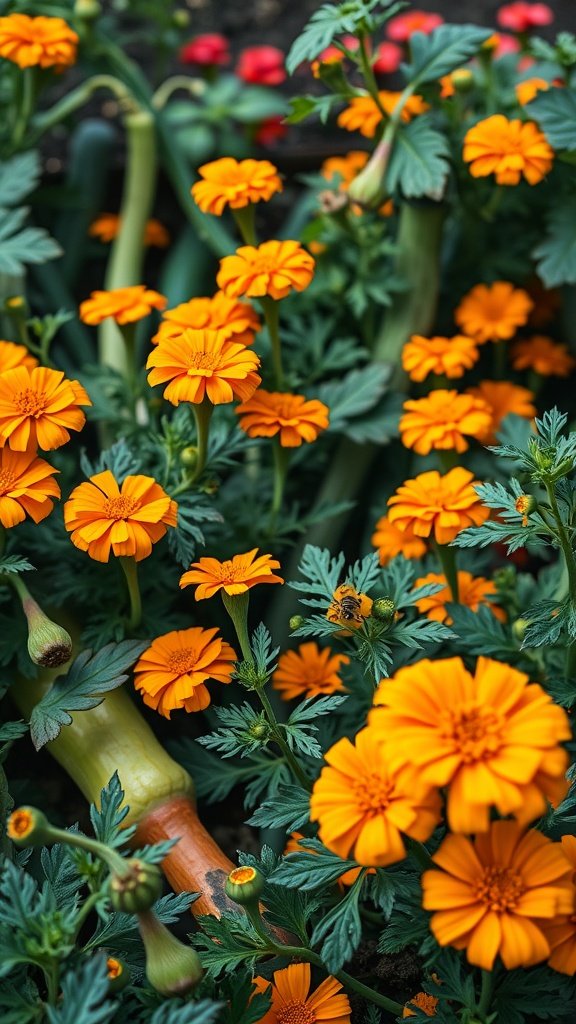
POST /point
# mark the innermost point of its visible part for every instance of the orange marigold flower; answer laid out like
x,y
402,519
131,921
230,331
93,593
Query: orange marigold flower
x,y
561,930
107,226
26,487
234,576
309,671
12,355
235,320
349,607
392,541
101,516
422,1001
439,505
292,418
346,167
293,1002
173,671
363,803
124,305
503,399
529,88
273,268
234,183
39,407
364,115
508,149
442,420
543,355
492,895
37,42
493,737
493,312
448,357
202,364
472,592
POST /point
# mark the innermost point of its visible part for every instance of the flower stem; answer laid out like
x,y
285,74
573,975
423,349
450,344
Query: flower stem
x,y
485,994
272,318
202,414
291,760
447,558
130,570
570,560
245,222
281,456
500,352
237,607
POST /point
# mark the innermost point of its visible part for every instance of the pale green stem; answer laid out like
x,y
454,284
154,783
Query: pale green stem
x,y
245,222
570,561
237,607
281,458
195,86
130,570
485,994
447,558
202,414
291,760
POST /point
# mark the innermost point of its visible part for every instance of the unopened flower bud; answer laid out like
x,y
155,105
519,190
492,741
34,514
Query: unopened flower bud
x,y
384,609
367,187
27,826
189,457
519,627
181,18
524,505
259,730
172,968
88,10
137,889
244,885
462,79
119,974
15,304
49,644
296,621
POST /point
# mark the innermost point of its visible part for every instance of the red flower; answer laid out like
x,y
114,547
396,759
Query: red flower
x,y
521,17
401,28
207,50
388,59
261,65
271,129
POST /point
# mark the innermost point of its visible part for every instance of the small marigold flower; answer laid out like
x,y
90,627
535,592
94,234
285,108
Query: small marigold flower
x,y
208,50
363,803
173,671
423,1002
349,607
473,591
441,506
529,88
403,26
127,520
261,65
37,42
391,541
388,58
331,55
273,268
542,355
309,671
521,17
39,408
508,149
235,320
364,115
346,167
493,895
202,364
503,399
459,80
26,487
493,312
524,505
114,968
124,305
234,183
12,355
27,826
234,576
442,421
493,737
448,357
107,226
293,1003
561,930
291,418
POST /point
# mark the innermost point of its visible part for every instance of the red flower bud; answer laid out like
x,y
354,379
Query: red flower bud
x,y
271,129
261,65
209,50
388,59
402,26
521,17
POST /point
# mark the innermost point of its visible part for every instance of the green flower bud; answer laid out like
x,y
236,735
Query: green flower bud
x,y
89,10
181,18
259,730
384,609
189,456
367,187
244,885
296,621
27,826
49,644
172,968
137,889
519,628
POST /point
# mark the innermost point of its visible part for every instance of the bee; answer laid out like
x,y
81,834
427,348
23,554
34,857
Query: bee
x,y
346,605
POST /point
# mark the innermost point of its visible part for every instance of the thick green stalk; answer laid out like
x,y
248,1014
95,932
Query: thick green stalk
x,y
130,570
447,557
570,562
281,457
202,414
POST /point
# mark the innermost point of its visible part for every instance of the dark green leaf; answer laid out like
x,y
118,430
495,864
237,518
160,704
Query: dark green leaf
x,y
302,107
354,394
555,112
340,930
14,564
419,161
202,1012
310,870
556,254
83,999
443,50
18,177
107,819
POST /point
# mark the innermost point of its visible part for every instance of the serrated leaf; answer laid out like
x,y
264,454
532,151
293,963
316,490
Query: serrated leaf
x,y
107,819
556,254
289,808
31,245
443,50
340,930
83,999
333,20
302,107
555,112
418,163
10,731
14,564
204,1011
310,870
355,393
18,177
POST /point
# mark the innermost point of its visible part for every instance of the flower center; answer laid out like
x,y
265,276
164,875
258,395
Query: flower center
x,y
7,481
500,889
121,507
373,793
295,1013
183,661
265,265
30,402
474,731
202,361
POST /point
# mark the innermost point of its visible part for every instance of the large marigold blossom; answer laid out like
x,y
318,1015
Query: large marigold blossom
x,y
473,591
124,305
26,487
236,321
561,930
107,226
391,541
509,150
503,399
291,418
234,183
493,312
493,895
37,42
448,357
541,354
293,1003
442,421
493,737
440,506
173,671
364,804
39,408
199,364
309,671
103,517
236,575
12,355
273,268
364,115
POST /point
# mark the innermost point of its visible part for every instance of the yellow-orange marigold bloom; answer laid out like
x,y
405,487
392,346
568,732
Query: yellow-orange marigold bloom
x,y
503,399
12,355
20,823
346,167
309,671
26,487
472,592
234,576
107,225
127,520
291,418
273,268
442,506
37,42
39,408
124,305
539,353
442,421
173,671
293,1003
349,607
391,541
364,115
202,364
493,737
423,1002
561,930
363,803
529,88
507,149
491,312
492,895
235,320
234,183
448,357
